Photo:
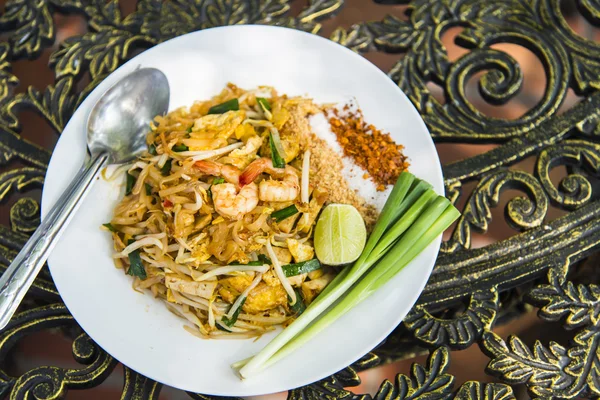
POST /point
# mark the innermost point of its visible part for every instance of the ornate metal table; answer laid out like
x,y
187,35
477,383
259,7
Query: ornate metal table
x,y
545,165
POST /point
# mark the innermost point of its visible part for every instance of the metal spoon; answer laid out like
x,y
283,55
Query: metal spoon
x,y
117,128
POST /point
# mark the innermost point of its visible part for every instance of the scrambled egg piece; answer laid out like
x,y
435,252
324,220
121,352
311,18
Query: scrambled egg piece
x,y
186,285
264,297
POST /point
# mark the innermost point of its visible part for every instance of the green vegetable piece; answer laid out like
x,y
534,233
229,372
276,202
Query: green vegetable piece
x,y
264,103
229,322
299,306
264,259
277,153
180,147
301,267
152,149
130,183
166,169
189,130
110,227
148,189
216,181
284,213
231,105
136,268
255,263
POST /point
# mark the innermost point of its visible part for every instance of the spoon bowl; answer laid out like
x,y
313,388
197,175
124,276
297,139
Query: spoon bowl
x,y
116,134
119,121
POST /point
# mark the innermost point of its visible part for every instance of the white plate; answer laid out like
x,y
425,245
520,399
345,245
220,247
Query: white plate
x,y
137,329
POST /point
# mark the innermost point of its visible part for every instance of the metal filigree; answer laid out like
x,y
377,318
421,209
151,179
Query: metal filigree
x,y
471,289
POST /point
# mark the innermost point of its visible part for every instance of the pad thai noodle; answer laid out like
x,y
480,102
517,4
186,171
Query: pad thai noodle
x,y
218,215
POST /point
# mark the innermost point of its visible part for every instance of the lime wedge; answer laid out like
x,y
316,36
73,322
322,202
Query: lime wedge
x,y
340,235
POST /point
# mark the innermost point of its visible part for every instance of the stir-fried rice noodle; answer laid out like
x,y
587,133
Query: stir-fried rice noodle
x,y
200,226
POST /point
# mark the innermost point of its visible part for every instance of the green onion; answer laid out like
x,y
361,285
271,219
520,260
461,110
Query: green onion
x,y
152,149
180,147
166,169
411,219
130,183
441,212
148,189
254,263
136,268
277,152
216,181
299,306
110,227
231,105
284,213
264,103
264,259
301,267
231,321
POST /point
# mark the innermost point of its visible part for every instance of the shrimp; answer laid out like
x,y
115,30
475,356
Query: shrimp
x,y
231,174
233,204
271,190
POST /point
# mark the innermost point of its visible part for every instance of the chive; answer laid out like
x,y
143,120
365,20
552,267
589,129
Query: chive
x,y
189,130
234,317
166,169
152,149
277,152
255,263
411,213
284,213
148,189
136,268
264,259
180,147
130,183
231,105
301,267
299,306
436,219
264,103
216,181
110,227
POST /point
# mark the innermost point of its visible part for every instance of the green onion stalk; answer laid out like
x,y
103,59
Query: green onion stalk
x,y
413,216
341,283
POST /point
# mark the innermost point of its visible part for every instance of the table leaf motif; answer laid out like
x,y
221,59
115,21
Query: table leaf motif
x,y
430,382
488,391
358,37
32,26
578,305
326,389
319,9
542,369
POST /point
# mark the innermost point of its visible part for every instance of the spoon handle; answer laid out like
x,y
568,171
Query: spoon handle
x,y
21,273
